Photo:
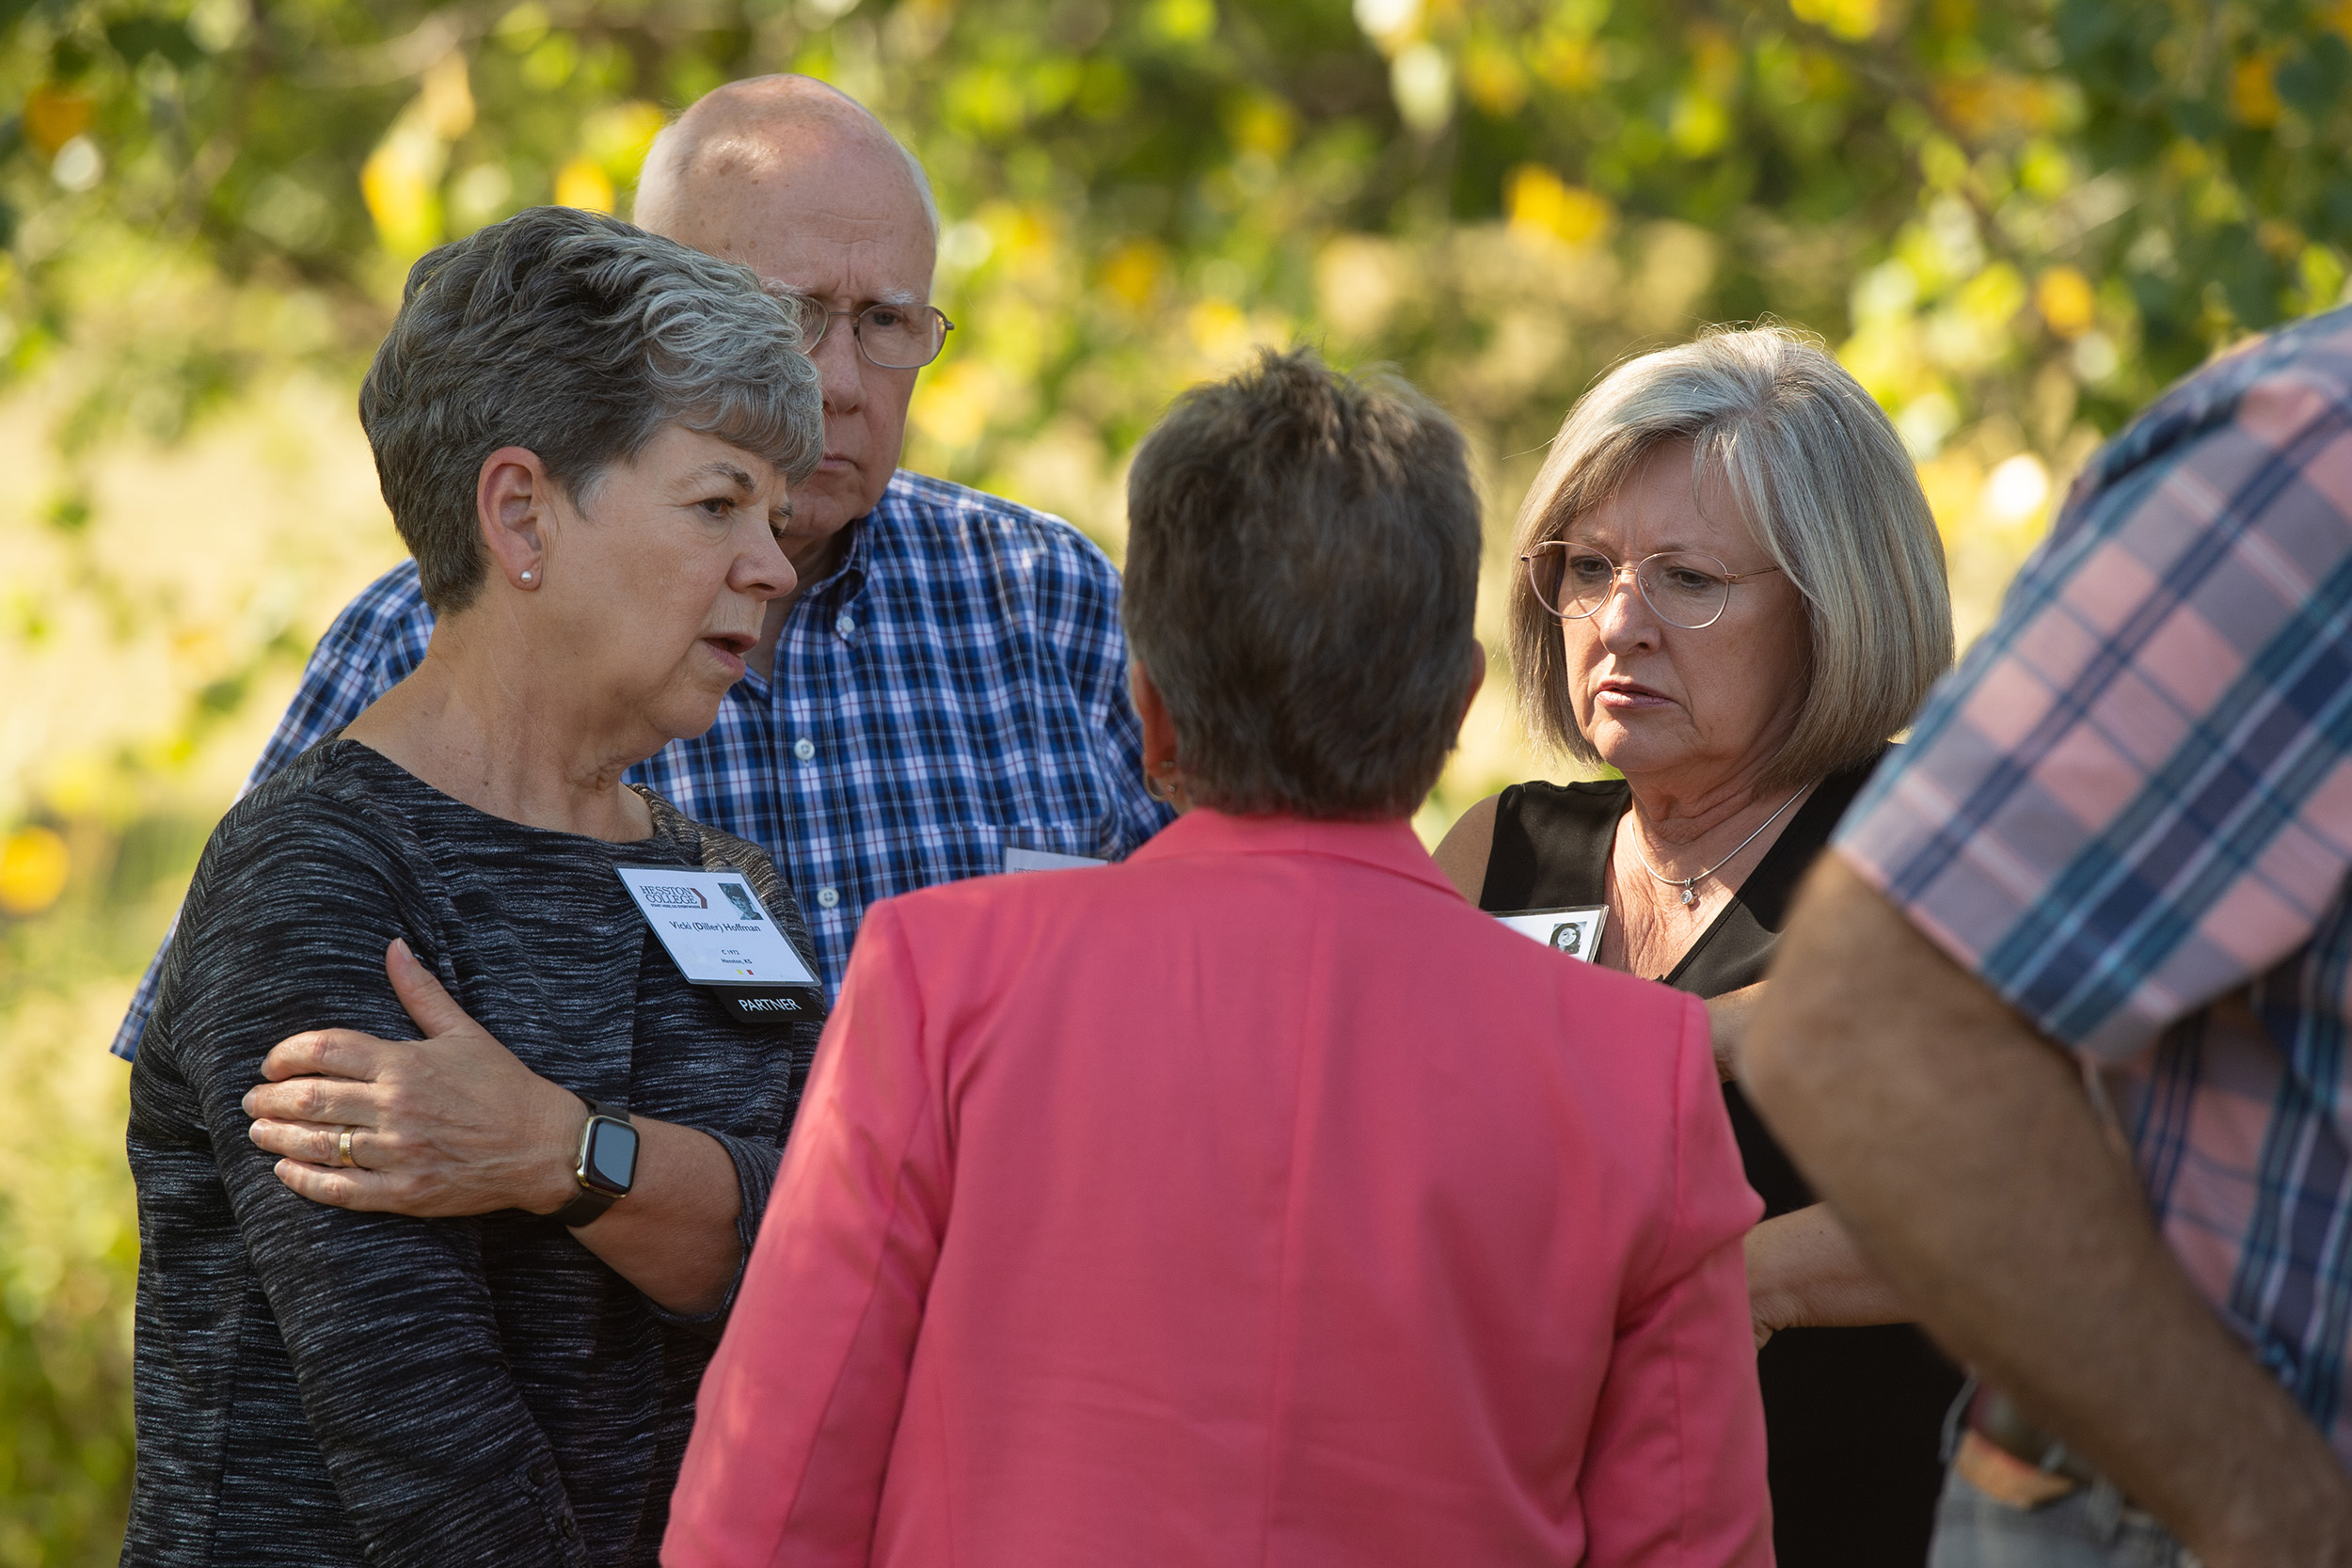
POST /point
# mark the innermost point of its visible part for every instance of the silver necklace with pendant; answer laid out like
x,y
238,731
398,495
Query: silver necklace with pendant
x,y
1690,884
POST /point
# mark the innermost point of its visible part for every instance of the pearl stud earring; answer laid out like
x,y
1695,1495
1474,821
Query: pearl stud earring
x,y
526,577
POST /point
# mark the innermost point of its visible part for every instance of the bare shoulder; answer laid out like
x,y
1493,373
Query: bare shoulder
x,y
1462,854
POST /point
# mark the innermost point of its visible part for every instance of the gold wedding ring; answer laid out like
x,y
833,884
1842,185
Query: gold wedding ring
x,y
342,1147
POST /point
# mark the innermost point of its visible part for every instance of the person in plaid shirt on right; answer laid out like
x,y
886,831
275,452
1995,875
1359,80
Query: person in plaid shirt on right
x,y
2114,859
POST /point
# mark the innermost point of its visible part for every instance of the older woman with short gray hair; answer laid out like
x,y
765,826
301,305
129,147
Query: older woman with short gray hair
x,y
452,1309
1731,592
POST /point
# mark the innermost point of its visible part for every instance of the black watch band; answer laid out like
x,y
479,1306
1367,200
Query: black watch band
x,y
595,1194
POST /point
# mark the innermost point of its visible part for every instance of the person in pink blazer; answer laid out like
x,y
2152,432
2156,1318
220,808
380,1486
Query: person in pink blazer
x,y
1256,1200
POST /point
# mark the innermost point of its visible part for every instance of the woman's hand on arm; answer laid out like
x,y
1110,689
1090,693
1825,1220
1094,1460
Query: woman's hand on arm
x,y
1805,1272
455,1124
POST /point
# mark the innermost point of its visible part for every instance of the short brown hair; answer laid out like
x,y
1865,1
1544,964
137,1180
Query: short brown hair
x,y
1302,579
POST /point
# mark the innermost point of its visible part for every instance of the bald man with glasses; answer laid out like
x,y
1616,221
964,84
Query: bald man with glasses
x,y
948,681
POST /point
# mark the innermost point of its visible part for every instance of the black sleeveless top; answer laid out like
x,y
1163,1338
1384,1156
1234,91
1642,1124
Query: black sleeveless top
x,y
1854,1416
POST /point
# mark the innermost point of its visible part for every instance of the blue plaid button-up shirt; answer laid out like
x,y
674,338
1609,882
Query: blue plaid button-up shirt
x,y
956,688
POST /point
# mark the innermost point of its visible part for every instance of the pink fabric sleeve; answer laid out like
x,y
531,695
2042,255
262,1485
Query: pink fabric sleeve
x,y
1675,1466
799,1409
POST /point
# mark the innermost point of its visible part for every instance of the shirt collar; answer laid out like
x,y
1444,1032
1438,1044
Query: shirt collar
x,y
858,558
1390,844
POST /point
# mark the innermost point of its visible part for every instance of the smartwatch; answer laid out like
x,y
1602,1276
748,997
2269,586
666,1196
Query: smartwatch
x,y
607,1166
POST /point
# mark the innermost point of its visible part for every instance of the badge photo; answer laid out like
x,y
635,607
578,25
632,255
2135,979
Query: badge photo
x,y
1574,930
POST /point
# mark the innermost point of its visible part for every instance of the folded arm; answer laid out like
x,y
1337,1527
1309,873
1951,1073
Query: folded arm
x,y
453,1124
387,1321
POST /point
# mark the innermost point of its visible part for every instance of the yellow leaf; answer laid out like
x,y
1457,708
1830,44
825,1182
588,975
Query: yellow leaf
x,y
1714,60
1573,65
55,116
33,866
618,137
1850,19
1180,20
1218,331
398,183
1993,296
1698,125
1493,80
448,99
583,184
1261,122
2065,298
2254,91
1542,205
1134,271
953,406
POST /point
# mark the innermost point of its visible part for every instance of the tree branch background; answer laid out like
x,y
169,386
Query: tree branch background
x,y
2014,219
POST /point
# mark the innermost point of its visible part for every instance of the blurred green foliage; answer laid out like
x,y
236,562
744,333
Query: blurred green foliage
x,y
2015,219
1983,188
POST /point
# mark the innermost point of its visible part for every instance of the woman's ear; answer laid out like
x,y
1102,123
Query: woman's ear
x,y
1159,727
1478,679
513,503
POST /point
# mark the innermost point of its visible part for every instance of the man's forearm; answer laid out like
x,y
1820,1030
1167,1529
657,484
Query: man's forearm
x,y
1959,1146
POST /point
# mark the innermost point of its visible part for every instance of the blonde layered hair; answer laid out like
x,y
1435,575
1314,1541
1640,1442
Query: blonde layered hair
x,y
1826,487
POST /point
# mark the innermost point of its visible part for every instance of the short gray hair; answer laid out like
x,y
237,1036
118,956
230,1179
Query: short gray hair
x,y
1824,481
576,337
1302,581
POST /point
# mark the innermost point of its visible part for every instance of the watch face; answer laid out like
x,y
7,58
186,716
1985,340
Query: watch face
x,y
612,1156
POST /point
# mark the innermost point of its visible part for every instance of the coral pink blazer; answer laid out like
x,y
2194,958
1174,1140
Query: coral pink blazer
x,y
1257,1201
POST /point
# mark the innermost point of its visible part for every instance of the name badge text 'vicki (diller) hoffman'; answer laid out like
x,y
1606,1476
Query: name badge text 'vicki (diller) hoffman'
x,y
721,936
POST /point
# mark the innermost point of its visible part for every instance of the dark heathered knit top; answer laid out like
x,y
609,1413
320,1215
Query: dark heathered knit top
x,y
316,1386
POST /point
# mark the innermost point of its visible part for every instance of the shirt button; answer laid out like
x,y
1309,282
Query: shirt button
x,y
804,748
570,1529
847,625
827,898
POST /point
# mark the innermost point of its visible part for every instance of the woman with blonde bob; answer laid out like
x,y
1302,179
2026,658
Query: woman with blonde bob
x,y
1730,591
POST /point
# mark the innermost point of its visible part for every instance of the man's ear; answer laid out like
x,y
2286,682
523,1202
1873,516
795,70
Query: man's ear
x,y
513,504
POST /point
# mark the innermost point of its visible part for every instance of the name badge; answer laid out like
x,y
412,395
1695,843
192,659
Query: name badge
x,y
720,934
1574,930
1045,860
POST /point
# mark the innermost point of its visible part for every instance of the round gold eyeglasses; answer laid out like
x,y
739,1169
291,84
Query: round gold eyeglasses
x,y
891,337
1681,587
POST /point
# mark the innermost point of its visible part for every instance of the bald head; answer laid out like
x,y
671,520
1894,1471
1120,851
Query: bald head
x,y
797,182
751,131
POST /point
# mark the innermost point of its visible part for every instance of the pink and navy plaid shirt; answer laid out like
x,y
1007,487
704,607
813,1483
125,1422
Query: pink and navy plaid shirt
x,y
2130,813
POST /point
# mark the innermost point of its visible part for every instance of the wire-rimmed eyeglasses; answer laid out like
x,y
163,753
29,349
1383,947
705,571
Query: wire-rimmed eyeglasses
x,y
891,337
1681,587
